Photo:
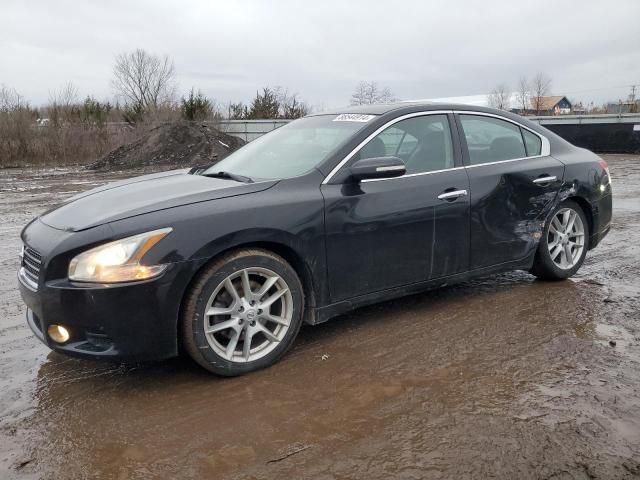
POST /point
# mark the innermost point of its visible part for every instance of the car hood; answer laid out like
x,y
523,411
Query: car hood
x,y
140,195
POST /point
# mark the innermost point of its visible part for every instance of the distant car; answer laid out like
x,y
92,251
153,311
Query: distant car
x,y
326,214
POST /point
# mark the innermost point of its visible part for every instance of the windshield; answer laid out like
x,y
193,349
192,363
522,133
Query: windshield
x,y
291,150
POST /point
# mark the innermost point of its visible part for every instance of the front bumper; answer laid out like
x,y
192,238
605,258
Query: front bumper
x,y
120,322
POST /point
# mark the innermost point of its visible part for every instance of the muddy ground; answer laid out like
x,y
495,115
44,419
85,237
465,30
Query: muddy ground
x,y
503,377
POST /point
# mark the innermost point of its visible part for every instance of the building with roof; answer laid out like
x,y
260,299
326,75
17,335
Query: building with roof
x,y
548,105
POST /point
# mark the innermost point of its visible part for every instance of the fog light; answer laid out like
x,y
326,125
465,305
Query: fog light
x,y
58,333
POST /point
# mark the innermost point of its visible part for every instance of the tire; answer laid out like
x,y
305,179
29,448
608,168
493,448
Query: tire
x,y
548,264
270,328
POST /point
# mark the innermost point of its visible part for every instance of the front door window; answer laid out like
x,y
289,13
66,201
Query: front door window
x,y
424,143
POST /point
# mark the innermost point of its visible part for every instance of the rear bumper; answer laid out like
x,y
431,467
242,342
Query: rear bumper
x,y
602,215
119,322
597,237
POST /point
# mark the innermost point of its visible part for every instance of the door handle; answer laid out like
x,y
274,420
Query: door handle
x,y
453,195
546,179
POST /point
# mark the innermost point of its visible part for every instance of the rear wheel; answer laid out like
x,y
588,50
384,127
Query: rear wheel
x,y
564,243
243,312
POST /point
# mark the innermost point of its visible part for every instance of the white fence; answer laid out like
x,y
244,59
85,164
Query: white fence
x,y
588,119
249,130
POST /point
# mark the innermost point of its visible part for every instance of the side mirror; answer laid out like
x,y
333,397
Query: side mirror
x,y
379,167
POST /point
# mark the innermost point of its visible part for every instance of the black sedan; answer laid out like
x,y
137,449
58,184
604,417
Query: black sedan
x,y
331,212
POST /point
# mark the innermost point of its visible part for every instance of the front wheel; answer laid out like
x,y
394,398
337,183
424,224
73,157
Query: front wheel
x,y
564,243
243,312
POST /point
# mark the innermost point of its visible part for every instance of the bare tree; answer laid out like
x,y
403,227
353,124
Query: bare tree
x,y
359,95
16,121
65,96
522,95
367,93
63,111
386,96
10,99
290,105
61,104
144,80
540,86
500,97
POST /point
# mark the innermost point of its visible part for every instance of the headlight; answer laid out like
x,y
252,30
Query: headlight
x,y
118,261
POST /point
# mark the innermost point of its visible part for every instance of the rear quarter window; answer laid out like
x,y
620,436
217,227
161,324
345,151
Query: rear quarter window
x,y
532,142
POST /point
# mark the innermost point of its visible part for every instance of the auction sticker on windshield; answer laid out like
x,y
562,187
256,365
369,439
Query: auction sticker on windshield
x,y
353,117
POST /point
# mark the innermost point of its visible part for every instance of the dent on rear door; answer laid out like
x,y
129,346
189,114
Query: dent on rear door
x,y
508,209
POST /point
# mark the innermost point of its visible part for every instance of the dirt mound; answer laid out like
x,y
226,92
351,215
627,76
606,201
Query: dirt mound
x,y
179,144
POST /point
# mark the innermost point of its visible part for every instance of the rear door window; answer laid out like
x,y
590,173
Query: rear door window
x,y
491,139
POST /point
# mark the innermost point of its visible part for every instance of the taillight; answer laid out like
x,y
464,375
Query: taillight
x,y
605,167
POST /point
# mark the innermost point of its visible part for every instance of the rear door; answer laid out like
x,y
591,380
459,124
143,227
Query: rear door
x,y
513,182
387,233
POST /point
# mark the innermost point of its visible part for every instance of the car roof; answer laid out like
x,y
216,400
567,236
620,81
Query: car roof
x,y
405,107
401,108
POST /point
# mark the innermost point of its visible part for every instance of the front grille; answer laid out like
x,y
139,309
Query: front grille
x,y
31,262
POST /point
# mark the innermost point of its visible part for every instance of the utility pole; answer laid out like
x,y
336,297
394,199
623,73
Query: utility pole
x,y
633,106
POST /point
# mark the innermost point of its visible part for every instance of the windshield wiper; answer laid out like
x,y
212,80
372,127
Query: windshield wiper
x,y
229,175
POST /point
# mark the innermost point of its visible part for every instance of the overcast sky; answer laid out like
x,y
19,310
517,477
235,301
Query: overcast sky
x,y
420,49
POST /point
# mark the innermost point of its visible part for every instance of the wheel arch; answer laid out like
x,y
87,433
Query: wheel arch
x,y
587,210
286,251
294,259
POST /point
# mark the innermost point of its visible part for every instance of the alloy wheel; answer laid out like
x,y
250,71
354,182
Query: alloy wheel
x,y
248,314
566,238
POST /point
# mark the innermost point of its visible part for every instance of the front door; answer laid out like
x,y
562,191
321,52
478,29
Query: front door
x,y
512,187
387,233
